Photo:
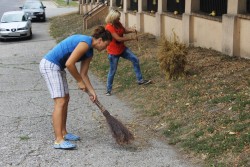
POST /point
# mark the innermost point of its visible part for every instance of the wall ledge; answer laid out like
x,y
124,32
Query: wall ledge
x,y
148,13
244,16
131,12
171,14
206,16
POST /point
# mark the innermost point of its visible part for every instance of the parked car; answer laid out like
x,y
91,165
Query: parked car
x,y
15,24
35,9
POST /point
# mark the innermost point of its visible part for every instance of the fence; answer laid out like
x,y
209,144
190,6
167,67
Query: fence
x,y
219,6
176,5
119,3
133,5
248,6
152,5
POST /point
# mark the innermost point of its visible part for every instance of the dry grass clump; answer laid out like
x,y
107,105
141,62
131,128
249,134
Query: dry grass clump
x,y
172,57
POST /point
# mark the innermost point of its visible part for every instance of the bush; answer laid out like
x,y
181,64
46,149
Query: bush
x,y
172,57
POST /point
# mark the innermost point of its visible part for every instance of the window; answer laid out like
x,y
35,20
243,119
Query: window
x,y
119,3
152,5
24,18
133,4
219,6
176,5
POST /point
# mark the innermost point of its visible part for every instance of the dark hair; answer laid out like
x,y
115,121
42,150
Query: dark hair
x,y
100,32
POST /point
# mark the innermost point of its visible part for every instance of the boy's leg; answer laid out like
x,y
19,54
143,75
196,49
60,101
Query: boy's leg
x,y
113,61
129,55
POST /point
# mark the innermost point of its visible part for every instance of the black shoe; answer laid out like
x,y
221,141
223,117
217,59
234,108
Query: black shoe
x,y
144,82
108,93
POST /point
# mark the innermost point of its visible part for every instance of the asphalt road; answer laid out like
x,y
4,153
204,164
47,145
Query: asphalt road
x,y
25,116
7,5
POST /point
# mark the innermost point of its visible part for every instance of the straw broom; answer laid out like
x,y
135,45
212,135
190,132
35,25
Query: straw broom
x,y
121,134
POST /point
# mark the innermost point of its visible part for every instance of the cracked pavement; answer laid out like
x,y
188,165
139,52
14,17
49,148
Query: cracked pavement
x,y
25,116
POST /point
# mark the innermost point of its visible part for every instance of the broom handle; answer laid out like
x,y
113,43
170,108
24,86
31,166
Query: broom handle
x,y
98,104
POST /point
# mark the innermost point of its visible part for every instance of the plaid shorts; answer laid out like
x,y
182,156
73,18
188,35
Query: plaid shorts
x,y
55,78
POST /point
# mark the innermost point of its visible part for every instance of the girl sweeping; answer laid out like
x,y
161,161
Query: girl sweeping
x,y
76,48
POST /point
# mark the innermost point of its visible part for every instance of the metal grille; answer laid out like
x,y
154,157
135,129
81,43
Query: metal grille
x,y
248,6
133,4
119,3
176,5
152,5
219,6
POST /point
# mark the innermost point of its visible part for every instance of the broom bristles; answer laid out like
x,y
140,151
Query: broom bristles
x,y
121,134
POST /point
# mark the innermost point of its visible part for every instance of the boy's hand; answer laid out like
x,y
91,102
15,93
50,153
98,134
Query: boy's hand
x,y
81,86
92,96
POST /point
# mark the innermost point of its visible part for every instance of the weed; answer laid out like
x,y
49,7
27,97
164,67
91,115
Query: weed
x,y
241,103
227,121
223,99
168,133
174,125
183,108
24,137
210,129
244,116
172,128
240,127
174,141
215,164
199,134
246,137
194,93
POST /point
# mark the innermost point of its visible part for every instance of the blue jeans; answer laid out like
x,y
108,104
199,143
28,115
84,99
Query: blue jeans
x,y
113,61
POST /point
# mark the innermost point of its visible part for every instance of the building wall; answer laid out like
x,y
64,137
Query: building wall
x,y
244,38
206,33
171,26
131,20
148,21
229,34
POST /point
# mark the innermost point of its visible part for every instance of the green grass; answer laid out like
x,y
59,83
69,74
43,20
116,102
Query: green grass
x,y
63,3
207,113
61,27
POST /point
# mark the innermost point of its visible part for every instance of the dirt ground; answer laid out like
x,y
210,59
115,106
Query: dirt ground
x,y
212,101
206,114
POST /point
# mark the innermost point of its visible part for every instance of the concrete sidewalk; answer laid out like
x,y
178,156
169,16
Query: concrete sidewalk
x,y
52,9
25,119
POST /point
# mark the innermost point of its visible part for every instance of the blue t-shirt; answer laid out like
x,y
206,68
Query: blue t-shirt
x,y
61,52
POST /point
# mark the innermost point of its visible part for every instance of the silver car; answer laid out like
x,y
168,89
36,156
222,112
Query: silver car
x,y
35,9
15,24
